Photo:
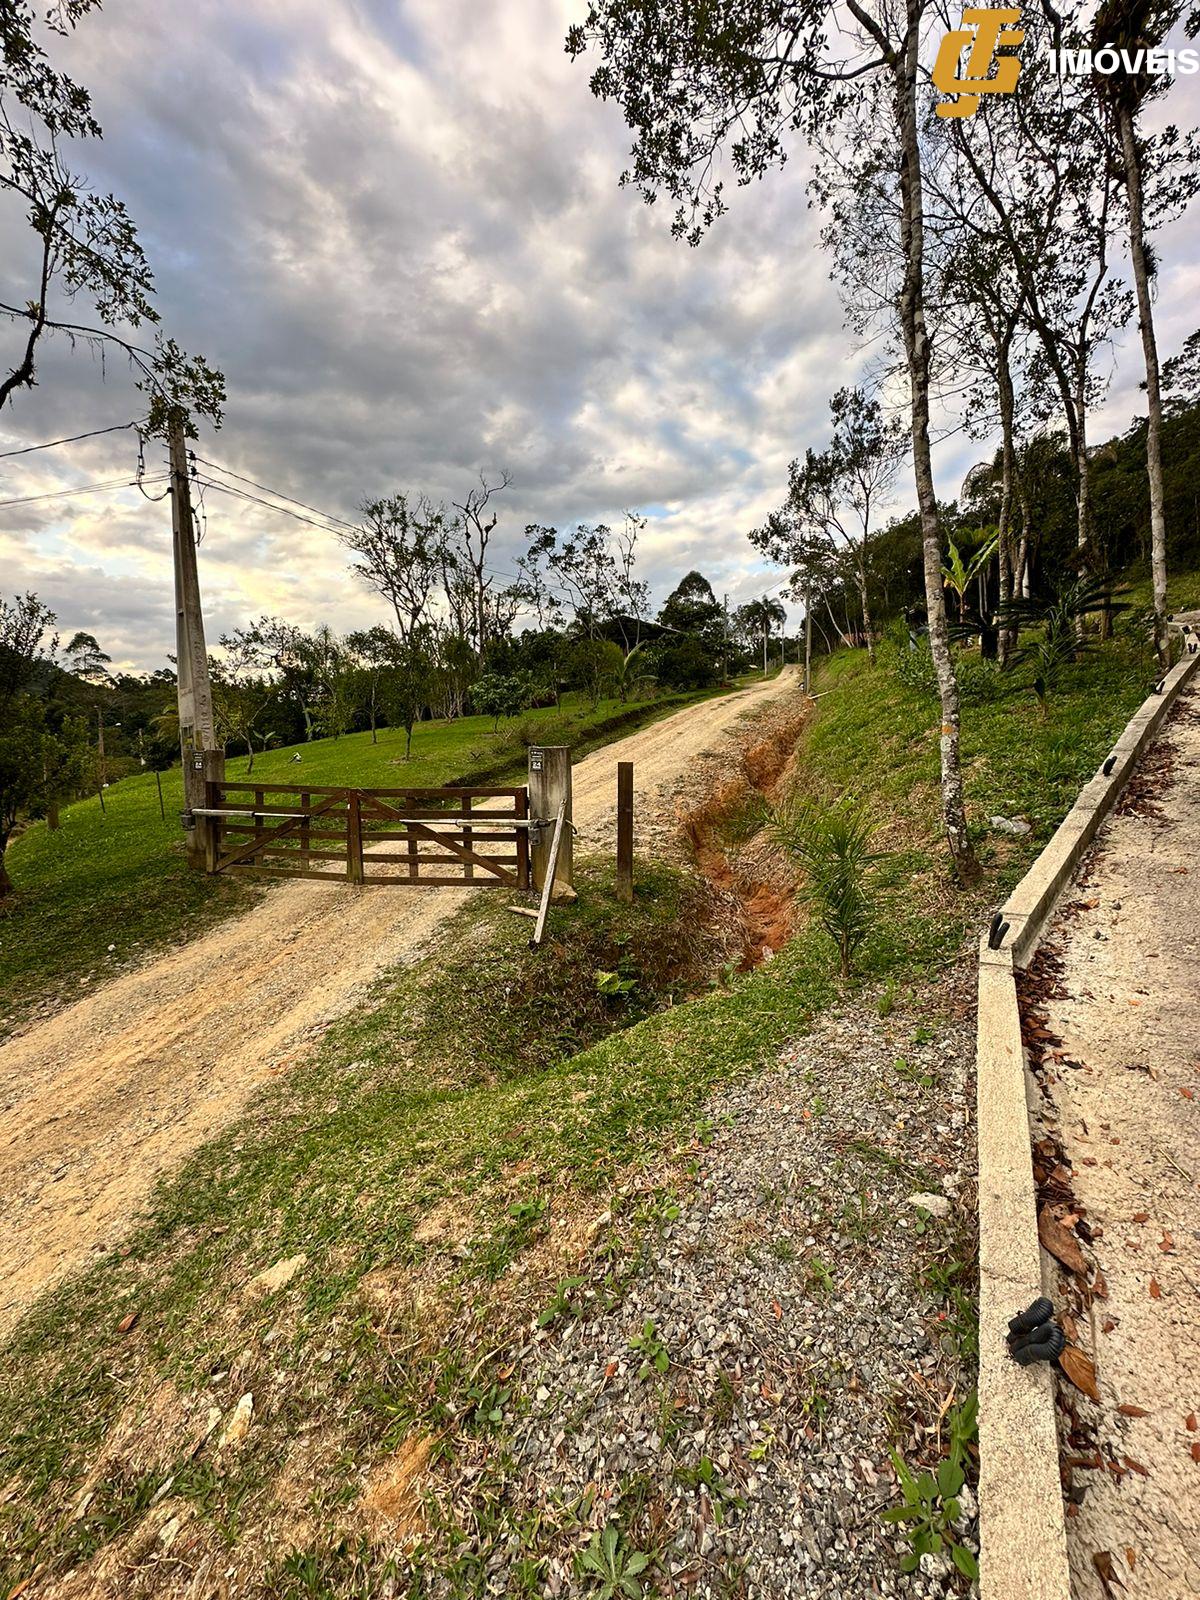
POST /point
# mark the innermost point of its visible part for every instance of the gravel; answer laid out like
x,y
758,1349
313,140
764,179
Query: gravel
x,y
785,1289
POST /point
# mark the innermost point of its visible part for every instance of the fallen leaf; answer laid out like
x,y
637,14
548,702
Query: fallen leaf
x,y
1189,1422
1109,1325
1136,1466
1131,1556
610,1369
1166,1243
1187,1094
1155,1290
1141,1216
1060,1243
1103,1564
1081,1370
1196,1452
127,1322
777,1309
1132,1411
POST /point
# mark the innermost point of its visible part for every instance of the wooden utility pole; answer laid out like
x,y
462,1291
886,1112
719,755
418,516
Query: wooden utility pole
x,y
549,788
808,640
625,830
196,728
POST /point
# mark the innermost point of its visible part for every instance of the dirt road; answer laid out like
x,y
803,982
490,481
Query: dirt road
x,y
1127,1011
112,1093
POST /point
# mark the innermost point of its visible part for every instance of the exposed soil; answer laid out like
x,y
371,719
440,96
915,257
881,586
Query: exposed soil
x,y
1117,1059
112,1093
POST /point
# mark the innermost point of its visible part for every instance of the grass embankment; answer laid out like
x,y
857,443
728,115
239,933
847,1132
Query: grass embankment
x,y
112,885
467,1154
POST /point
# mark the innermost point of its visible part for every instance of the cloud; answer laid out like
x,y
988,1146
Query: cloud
x,y
398,230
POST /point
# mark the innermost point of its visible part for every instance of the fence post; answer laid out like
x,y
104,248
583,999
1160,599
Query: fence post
x,y
210,829
549,787
625,830
522,810
354,845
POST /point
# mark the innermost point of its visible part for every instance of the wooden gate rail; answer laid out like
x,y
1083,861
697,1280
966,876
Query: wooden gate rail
x,y
301,831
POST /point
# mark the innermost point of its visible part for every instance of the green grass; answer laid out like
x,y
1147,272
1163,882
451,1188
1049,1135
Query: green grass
x,y
112,885
437,1156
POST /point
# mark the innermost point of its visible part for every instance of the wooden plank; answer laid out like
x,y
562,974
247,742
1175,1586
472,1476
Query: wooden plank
x,y
462,852
259,830
296,851
354,844
522,838
551,867
452,793
399,836
313,833
434,860
249,870
246,851
625,830
306,827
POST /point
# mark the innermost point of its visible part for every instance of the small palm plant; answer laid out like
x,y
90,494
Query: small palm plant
x,y
1061,639
959,575
833,846
631,675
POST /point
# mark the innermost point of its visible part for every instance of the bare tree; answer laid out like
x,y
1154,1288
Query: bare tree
x,y
401,553
473,536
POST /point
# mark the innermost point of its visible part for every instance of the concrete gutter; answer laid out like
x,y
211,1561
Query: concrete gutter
x,y
1022,1527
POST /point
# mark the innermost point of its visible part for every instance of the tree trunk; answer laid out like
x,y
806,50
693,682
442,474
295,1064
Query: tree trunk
x,y
1154,471
52,821
1007,557
866,616
916,349
7,886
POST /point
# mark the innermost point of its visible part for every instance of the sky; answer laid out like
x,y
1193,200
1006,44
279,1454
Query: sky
x,y
396,226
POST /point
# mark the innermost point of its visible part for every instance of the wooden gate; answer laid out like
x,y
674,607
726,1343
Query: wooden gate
x,y
449,836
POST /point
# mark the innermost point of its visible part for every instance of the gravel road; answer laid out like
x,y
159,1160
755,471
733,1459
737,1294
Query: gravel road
x,y
111,1093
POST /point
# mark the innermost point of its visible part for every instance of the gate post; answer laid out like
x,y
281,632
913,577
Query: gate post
x,y
211,773
354,846
549,786
625,830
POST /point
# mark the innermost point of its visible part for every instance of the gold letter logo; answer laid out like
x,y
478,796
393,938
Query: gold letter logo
x,y
984,32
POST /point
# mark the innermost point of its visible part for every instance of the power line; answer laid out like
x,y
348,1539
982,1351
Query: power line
x,y
277,493
73,438
86,488
254,499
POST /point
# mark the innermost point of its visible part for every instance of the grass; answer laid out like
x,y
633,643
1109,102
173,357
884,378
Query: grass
x,y
487,1144
113,885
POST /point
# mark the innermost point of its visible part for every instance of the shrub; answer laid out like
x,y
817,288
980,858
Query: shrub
x,y
834,848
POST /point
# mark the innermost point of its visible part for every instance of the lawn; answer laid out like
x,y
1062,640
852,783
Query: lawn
x,y
439,1159
112,884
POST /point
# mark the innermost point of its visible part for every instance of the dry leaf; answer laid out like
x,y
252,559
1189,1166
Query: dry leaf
x,y
1196,1452
1103,1564
1109,1324
1141,1216
1081,1370
1187,1094
1155,1290
1132,1411
1136,1466
1131,1556
126,1323
1061,1244
1190,1423
777,1309
1166,1243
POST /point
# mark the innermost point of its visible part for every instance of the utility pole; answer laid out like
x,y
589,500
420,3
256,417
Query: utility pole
x,y
808,638
196,730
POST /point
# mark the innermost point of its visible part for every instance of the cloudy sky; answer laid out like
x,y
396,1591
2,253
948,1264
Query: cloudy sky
x,y
395,225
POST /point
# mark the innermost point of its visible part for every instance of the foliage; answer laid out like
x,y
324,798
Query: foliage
x,y
833,846
654,1353
610,1566
930,1508
497,696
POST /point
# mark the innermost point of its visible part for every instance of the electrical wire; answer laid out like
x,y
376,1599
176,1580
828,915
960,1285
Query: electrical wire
x,y
254,499
277,493
86,488
73,438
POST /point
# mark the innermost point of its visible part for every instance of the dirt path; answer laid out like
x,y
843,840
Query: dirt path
x,y
109,1095
1126,1007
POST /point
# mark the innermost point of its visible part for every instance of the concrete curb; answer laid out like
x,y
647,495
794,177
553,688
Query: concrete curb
x,y
1022,1527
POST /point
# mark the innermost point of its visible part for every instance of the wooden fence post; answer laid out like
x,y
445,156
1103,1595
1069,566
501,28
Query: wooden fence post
x,y
625,830
209,829
549,787
354,845
522,810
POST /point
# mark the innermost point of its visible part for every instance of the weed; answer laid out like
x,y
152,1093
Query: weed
x,y
833,846
818,1277
654,1353
929,1505
723,1498
562,1304
611,1566
912,1074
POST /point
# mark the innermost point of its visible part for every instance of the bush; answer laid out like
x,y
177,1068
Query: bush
x,y
685,665
834,849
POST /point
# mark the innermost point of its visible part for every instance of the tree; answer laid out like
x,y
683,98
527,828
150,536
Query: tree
x,y
407,687
87,242
472,535
375,650
698,82
84,659
36,765
589,572
1169,164
502,695
753,621
401,553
